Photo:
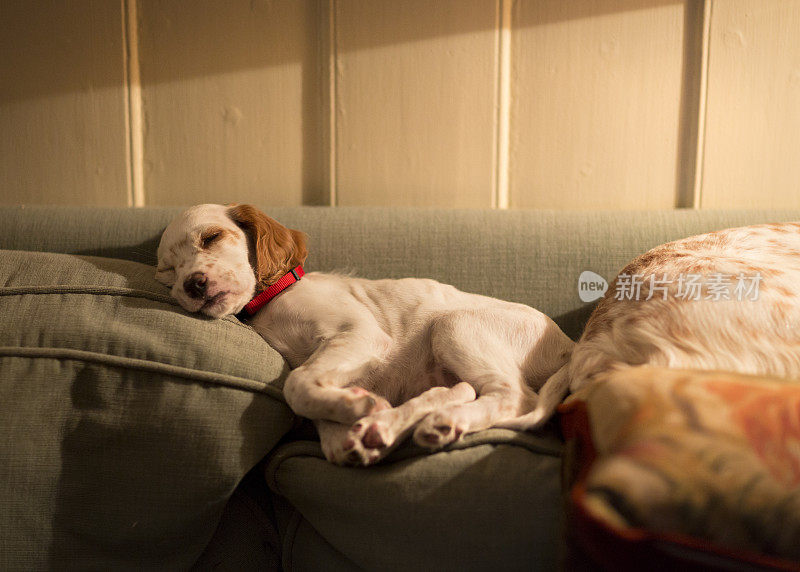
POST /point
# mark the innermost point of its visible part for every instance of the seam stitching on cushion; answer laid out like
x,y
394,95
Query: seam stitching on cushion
x,y
102,291
312,449
276,458
93,290
142,365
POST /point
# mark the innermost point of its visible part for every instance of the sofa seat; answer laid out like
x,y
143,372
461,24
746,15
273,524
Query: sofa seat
x,y
492,497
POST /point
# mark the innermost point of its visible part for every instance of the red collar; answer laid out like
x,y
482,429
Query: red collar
x,y
261,300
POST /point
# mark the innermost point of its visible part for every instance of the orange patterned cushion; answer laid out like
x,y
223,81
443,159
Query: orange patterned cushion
x,y
697,467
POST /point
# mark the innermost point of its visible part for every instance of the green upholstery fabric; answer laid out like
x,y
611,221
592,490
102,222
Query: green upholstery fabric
x,y
533,257
491,498
126,423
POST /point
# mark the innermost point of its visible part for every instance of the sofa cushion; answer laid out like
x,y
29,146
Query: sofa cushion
x,y
689,469
488,501
125,423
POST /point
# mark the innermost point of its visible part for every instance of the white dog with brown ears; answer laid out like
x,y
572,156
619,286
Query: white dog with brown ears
x,y
372,360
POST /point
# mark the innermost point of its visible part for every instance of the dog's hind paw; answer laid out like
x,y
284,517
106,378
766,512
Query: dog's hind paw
x,y
436,431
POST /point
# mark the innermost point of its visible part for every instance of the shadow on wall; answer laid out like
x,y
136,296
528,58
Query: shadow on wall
x,y
215,38
49,51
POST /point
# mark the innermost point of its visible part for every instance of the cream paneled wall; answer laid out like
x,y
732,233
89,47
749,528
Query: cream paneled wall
x,y
596,104
752,143
415,97
62,104
589,104
231,101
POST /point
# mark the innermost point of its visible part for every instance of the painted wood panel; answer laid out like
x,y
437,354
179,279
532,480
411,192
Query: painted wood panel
x,y
596,91
232,101
753,108
457,103
415,102
62,107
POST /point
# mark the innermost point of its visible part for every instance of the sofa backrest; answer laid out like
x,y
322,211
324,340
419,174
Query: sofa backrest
x,y
533,257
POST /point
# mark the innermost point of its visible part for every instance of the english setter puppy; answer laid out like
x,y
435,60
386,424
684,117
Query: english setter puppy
x,y
372,360
725,300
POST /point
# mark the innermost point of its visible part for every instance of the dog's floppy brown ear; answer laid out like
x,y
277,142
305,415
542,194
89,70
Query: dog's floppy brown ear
x,y
275,248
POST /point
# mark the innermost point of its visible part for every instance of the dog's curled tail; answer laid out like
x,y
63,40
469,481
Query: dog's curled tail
x,y
550,395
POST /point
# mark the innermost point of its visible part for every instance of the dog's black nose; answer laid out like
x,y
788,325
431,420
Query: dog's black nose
x,y
195,285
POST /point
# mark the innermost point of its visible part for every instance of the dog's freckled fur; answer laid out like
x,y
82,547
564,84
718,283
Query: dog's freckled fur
x,y
759,336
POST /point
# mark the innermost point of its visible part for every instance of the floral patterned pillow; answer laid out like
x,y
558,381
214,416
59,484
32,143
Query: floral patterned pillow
x,y
682,466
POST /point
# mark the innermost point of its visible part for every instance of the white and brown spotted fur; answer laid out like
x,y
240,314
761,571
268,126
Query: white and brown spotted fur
x,y
372,360
760,336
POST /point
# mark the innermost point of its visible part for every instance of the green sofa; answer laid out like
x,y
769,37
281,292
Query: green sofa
x,y
136,436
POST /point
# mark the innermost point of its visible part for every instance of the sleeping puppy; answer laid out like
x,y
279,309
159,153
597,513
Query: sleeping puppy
x,y
372,360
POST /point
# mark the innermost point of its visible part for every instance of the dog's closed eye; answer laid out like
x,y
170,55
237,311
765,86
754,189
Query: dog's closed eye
x,y
209,237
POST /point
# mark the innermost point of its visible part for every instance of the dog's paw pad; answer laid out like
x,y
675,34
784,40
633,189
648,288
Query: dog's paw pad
x,y
367,442
371,434
426,438
435,433
372,438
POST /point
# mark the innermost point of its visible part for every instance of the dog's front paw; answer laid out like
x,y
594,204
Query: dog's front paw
x,y
437,430
368,441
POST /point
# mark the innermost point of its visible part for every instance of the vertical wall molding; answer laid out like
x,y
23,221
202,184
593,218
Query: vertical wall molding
x,y
133,104
691,130
502,132
332,63
701,112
